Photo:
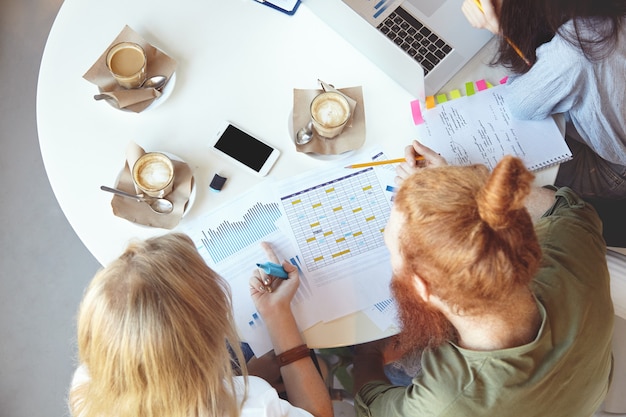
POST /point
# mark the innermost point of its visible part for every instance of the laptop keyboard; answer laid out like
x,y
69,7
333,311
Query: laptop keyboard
x,y
415,39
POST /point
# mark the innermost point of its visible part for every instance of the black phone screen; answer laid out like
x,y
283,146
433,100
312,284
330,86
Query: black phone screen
x,y
245,148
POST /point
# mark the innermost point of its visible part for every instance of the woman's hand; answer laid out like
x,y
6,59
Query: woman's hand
x,y
272,295
487,18
431,159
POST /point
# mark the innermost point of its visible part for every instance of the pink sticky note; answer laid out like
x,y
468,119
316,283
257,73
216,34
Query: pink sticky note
x,y
481,85
417,112
504,80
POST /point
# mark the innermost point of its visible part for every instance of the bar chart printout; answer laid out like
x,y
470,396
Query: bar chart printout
x,y
229,241
337,226
230,237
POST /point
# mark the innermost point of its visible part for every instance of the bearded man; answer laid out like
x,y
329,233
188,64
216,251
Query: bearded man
x,y
503,286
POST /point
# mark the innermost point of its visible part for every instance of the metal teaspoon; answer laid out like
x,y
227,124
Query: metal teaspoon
x,y
158,205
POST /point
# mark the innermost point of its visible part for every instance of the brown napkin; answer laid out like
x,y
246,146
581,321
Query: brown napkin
x,y
134,99
353,135
139,212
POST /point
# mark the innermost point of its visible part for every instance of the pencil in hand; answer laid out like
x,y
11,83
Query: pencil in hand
x,y
385,162
509,41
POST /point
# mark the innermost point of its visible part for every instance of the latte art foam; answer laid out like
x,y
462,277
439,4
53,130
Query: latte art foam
x,y
153,174
330,112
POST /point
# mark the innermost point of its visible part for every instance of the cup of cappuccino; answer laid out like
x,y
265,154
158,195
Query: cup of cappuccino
x,y
127,63
330,112
153,174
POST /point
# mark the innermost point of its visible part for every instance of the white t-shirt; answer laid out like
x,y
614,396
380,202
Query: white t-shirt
x,y
262,401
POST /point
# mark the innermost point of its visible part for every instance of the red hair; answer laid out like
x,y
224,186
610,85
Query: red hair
x,y
467,233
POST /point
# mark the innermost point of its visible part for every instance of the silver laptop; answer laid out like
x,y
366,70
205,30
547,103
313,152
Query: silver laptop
x,y
420,44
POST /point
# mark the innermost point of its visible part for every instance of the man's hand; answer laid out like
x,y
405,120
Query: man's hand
x,y
431,159
266,367
370,359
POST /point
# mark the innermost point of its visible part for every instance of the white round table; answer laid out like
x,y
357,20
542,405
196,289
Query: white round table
x,y
237,60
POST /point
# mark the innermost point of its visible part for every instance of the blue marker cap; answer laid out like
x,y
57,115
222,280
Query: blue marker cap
x,y
276,270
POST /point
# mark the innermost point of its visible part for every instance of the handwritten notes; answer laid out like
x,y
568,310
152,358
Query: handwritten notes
x,y
480,129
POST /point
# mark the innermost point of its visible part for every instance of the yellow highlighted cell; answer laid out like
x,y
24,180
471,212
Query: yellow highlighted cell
x,y
338,208
328,234
343,252
296,202
341,239
317,205
315,224
319,258
368,219
357,234
369,187
356,210
311,239
330,190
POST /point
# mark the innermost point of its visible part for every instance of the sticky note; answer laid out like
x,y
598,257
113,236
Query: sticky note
x,y
455,94
442,98
430,102
504,80
416,111
481,85
489,85
469,88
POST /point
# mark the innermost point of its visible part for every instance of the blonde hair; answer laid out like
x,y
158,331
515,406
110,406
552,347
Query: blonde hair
x,y
154,332
467,233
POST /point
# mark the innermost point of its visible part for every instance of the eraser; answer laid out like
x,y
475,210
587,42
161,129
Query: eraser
x,y
217,183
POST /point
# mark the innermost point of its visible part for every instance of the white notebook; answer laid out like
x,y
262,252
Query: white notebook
x,y
479,129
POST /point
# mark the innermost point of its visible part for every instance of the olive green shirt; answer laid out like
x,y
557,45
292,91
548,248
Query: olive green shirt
x,y
565,371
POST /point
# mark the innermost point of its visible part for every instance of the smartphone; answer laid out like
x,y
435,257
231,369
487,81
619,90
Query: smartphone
x,y
251,152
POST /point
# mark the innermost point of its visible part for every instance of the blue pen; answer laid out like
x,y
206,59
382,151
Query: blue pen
x,y
276,270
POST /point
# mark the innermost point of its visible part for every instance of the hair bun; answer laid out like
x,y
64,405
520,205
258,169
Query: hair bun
x,y
504,192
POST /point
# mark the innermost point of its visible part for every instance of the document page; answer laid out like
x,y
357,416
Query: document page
x,y
479,129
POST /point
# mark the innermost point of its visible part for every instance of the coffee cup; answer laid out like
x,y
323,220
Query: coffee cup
x,y
153,174
127,63
330,112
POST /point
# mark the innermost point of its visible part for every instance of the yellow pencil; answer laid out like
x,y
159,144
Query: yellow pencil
x,y
510,42
385,162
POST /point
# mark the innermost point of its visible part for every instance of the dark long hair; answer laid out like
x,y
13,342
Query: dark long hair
x,y
531,23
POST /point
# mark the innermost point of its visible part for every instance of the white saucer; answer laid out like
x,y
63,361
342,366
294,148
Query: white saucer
x,y
165,94
192,193
167,91
318,156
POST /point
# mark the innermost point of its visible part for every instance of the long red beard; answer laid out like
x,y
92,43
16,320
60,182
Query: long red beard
x,y
423,326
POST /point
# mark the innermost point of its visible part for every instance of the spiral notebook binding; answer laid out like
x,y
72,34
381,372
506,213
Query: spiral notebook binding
x,y
551,162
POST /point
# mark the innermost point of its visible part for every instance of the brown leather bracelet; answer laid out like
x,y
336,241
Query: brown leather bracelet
x,y
292,355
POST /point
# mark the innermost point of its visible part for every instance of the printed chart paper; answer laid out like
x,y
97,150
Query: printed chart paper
x,y
329,223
